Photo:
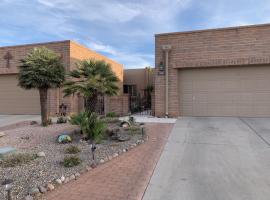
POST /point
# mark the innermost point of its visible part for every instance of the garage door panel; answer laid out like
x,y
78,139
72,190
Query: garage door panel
x,y
230,91
15,100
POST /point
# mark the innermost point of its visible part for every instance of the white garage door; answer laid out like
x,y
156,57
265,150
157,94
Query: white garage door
x,y
14,100
228,91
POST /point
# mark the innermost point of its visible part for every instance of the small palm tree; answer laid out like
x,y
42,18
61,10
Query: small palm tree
x,y
41,69
91,79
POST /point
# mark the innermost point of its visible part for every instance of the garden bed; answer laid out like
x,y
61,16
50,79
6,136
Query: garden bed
x,y
39,171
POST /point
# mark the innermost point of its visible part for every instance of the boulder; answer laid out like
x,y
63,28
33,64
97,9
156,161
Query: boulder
x,y
28,197
2,134
41,154
64,138
42,189
125,124
50,187
33,191
123,138
6,150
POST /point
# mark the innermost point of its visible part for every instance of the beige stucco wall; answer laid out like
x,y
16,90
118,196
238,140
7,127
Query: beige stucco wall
x,y
139,77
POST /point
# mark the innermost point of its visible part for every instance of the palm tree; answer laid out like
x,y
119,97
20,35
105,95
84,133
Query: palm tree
x,y
91,79
41,69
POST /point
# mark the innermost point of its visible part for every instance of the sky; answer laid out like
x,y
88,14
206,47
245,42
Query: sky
x,y
122,30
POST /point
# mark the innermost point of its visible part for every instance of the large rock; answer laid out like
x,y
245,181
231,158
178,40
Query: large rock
x,y
2,134
64,138
6,150
41,154
34,191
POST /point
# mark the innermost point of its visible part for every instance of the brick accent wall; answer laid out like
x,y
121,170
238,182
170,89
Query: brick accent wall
x,y
248,45
117,104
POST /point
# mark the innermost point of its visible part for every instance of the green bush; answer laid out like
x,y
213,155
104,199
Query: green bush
x,y
61,120
96,128
133,130
17,159
72,150
71,161
111,114
91,126
77,119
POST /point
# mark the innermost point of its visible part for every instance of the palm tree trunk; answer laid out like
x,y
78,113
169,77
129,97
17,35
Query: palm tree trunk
x,y
43,92
91,103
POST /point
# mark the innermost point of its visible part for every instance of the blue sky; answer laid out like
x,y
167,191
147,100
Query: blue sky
x,y
123,30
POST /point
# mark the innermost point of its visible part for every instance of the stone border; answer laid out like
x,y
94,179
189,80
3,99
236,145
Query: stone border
x,y
53,184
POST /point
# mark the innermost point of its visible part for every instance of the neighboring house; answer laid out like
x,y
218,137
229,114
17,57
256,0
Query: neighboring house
x,y
15,100
136,81
218,72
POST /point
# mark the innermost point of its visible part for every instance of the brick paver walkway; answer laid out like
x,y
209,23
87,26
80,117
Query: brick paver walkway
x,y
123,178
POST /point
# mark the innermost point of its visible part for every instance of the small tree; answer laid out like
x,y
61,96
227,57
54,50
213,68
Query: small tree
x,y
91,79
41,69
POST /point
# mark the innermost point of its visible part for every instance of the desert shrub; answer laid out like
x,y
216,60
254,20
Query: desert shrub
x,y
50,121
111,114
133,130
91,126
96,128
33,122
72,150
71,161
61,120
17,159
77,119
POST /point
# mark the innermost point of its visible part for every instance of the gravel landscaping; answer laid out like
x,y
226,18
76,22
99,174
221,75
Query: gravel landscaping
x,y
34,139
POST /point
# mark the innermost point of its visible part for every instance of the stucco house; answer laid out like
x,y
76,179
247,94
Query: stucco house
x,y
14,100
217,72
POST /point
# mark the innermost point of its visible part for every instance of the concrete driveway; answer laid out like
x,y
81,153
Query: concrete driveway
x,y
214,159
6,120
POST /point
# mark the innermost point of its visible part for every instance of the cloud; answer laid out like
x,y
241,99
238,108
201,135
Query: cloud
x,y
102,48
123,30
130,60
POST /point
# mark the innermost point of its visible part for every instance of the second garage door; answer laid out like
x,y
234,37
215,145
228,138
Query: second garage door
x,y
228,91
15,100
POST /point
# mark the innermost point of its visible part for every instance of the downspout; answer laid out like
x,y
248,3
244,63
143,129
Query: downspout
x,y
166,49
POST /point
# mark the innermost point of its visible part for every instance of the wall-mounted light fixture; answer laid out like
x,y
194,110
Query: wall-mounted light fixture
x,y
161,68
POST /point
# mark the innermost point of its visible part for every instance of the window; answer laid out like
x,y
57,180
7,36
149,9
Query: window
x,y
130,89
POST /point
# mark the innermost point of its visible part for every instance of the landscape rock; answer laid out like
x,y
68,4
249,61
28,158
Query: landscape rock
x,y
88,168
34,191
115,155
6,150
62,178
66,180
28,197
101,161
77,175
50,187
72,177
125,124
123,138
42,189
41,154
2,134
64,138
58,181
